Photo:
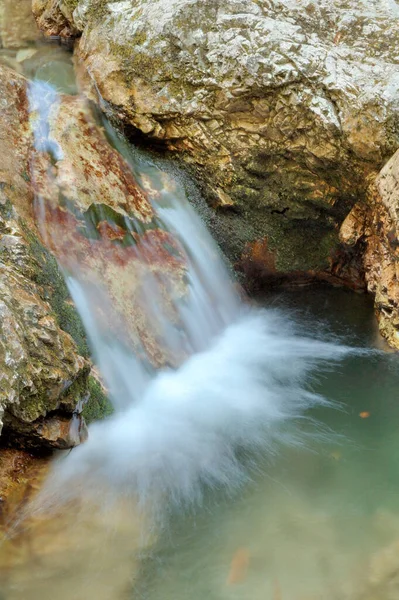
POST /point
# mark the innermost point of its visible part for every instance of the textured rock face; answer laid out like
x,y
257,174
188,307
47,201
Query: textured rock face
x,y
17,26
284,107
64,188
372,231
41,370
102,228
20,475
55,16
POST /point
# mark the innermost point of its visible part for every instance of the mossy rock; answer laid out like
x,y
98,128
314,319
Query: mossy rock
x,y
98,405
50,278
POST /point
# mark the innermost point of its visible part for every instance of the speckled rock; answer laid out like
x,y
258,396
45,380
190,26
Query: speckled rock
x,y
282,107
55,17
20,475
372,231
17,25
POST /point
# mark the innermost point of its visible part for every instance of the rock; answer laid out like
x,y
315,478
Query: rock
x,y
55,17
382,578
95,218
42,372
17,25
20,474
101,225
372,231
282,108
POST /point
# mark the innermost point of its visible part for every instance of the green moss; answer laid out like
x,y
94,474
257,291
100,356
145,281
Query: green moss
x,y
6,209
71,4
98,405
302,245
77,391
96,10
49,277
34,406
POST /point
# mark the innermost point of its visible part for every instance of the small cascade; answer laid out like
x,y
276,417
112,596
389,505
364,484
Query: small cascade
x,y
199,380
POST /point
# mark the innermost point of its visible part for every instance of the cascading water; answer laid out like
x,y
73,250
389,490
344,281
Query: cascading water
x,y
228,378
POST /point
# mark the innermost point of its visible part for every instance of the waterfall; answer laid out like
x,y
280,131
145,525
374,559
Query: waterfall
x,y
201,381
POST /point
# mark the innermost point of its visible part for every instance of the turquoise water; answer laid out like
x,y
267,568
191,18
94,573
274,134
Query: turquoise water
x,y
321,521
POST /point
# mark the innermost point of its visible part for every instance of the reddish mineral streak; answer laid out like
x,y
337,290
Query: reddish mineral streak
x,y
155,252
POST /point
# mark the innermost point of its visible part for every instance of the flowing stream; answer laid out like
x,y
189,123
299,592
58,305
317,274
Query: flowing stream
x,y
254,456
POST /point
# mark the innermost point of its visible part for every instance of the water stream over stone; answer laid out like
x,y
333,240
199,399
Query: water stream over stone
x,y
251,453
197,377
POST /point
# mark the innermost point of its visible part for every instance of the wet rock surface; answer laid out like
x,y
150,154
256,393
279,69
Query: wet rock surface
x,y
17,26
283,108
101,226
91,203
20,473
41,369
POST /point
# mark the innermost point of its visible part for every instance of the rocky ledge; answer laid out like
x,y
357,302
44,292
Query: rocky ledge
x,y
43,370
68,197
282,107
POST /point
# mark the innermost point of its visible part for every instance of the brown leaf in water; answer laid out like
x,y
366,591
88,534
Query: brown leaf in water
x,y
238,566
364,414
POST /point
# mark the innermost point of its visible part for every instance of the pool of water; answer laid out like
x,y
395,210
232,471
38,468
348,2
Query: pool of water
x,y
317,522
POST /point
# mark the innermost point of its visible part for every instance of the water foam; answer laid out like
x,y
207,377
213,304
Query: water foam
x,y
192,426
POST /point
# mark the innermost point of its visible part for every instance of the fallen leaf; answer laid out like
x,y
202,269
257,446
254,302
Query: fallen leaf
x,y
364,414
238,566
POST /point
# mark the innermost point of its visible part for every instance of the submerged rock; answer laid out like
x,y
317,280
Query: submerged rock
x,y
20,475
282,107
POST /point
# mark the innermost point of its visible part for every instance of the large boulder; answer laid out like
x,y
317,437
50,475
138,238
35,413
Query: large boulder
x,y
371,230
282,107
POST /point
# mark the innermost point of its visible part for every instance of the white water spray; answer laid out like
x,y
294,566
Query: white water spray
x,y
193,425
